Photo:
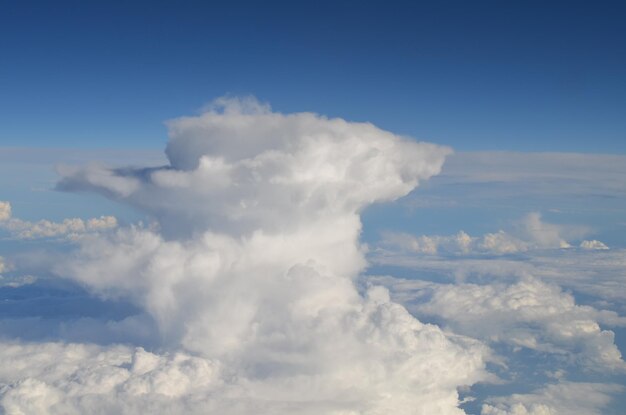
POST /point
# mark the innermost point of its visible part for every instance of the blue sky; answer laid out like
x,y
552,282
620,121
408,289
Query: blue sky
x,y
531,76
295,233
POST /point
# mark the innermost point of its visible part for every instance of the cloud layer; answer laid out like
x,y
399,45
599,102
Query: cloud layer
x,y
530,233
525,314
558,398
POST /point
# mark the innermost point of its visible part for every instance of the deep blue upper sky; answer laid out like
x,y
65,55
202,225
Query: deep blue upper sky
x,y
531,76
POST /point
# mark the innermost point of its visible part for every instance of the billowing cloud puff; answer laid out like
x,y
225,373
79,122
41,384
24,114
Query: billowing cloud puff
x,y
250,278
240,168
593,244
57,378
5,211
53,378
460,244
572,398
531,234
69,228
527,314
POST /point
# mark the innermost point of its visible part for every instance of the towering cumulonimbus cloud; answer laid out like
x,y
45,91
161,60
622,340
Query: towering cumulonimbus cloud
x,y
240,168
252,264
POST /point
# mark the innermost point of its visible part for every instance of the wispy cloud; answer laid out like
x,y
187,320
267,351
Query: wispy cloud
x,y
515,179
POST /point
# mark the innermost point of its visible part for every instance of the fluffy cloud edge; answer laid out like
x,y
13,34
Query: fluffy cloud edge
x,y
70,228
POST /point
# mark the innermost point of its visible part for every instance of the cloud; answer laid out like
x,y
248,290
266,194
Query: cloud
x,y
236,170
593,244
548,235
57,378
530,233
539,173
505,182
69,228
249,277
459,244
596,274
61,378
529,314
5,211
575,398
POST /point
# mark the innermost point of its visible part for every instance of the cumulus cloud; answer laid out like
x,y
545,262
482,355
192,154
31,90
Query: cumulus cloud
x,y
250,279
240,168
57,378
593,244
596,274
530,233
575,398
527,314
459,244
5,211
69,228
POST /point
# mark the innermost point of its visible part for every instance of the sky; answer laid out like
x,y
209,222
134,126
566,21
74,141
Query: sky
x,y
319,208
531,76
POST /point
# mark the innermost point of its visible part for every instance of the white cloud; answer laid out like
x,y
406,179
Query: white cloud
x,y
502,243
569,398
68,228
530,233
56,378
252,274
59,378
538,173
460,243
237,171
593,244
598,274
5,211
544,234
529,314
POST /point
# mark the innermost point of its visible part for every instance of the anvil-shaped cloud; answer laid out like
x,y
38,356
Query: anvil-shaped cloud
x,y
251,270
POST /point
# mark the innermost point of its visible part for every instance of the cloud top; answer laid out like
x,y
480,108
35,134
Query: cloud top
x,y
238,168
